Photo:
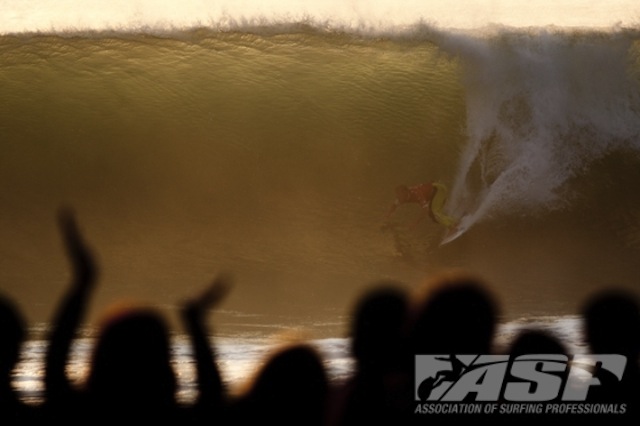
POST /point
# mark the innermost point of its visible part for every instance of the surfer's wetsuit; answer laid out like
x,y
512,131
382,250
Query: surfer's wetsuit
x,y
431,196
437,204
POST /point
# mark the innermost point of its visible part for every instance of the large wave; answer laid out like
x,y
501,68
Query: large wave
x,y
273,150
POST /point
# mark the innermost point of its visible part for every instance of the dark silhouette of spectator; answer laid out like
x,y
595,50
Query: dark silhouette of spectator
x,y
13,410
612,326
291,388
130,373
535,342
60,395
378,336
456,315
211,405
130,377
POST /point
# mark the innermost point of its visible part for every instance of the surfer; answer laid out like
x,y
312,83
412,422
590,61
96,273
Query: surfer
x,y
431,196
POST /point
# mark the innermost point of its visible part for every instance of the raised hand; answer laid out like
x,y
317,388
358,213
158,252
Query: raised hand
x,y
212,394
71,308
82,259
210,297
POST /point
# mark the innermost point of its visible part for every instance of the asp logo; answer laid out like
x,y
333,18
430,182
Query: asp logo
x,y
525,378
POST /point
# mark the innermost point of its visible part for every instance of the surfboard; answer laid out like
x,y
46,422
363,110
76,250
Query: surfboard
x,y
452,235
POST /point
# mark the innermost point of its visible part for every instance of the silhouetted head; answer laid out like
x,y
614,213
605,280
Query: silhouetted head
x,y
612,323
402,193
612,326
536,342
456,315
291,388
379,325
12,333
131,364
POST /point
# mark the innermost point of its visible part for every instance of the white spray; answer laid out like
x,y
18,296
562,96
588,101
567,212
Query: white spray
x,y
541,107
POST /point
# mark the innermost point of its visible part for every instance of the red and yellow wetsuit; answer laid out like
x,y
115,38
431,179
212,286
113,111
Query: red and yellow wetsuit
x,y
432,196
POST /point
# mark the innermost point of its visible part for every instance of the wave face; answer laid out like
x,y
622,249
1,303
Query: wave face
x,y
273,152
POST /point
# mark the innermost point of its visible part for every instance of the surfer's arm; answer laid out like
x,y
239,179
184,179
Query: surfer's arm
x,y
70,311
211,393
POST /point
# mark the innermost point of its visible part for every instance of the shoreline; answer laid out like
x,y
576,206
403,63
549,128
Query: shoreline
x,y
240,355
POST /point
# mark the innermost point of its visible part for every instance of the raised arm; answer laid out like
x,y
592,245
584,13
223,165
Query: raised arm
x,y
211,392
70,311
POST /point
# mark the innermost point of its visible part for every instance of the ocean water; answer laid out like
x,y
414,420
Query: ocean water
x,y
266,139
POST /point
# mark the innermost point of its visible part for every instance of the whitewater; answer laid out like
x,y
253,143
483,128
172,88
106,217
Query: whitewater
x,y
266,138
37,15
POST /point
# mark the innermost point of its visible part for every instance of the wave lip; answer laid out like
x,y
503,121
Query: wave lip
x,y
342,15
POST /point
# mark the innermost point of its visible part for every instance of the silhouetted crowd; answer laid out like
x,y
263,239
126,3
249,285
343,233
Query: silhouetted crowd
x,y
131,380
